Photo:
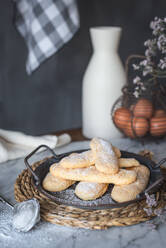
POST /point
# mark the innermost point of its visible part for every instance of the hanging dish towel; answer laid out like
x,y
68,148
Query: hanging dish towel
x,y
16,144
46,25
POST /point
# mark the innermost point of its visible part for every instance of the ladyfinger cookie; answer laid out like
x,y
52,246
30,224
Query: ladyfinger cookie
x,y
90,191
116,151
129,192
128,162
91,174
54,184
78,160
105,158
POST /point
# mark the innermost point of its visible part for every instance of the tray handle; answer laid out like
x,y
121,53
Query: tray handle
x,y
157,184
31,154
162,161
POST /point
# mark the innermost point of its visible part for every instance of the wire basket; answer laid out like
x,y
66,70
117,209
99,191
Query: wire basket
x,y
144,116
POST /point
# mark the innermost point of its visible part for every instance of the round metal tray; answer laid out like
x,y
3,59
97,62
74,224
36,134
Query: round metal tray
x,y
67,197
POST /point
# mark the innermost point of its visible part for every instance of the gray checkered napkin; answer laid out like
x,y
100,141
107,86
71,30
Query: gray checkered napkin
x,y
46,26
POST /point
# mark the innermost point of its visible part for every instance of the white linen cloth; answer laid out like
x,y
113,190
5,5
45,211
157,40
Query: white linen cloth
x,y
46,25
16,144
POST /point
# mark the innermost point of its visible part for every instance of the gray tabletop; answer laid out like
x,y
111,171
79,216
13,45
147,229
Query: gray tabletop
x,y
49,235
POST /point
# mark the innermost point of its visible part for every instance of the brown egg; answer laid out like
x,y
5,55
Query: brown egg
x,y
159,113
143,108
158,126
140,126
121,117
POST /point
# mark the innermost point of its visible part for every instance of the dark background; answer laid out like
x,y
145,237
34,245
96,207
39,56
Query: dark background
x,y
50,99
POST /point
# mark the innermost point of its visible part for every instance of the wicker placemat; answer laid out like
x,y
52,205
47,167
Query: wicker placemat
x,y
75,217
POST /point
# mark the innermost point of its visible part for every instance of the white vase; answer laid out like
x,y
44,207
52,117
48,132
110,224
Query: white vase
x,y
102,83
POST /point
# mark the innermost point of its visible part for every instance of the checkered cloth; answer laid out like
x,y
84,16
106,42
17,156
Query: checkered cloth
x,y
46,26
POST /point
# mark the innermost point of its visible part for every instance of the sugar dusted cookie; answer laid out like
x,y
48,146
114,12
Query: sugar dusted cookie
x,y
116,151
128,162
78,160
129,192
54,184
90,191
105,158
91,174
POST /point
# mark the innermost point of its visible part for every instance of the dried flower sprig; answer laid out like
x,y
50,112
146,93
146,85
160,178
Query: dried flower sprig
x,y
150,200
139,86
160,212
154,64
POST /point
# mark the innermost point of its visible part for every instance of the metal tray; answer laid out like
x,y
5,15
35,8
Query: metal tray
x,y
67,197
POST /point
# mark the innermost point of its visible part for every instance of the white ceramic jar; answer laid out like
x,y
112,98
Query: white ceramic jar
x,y
102,83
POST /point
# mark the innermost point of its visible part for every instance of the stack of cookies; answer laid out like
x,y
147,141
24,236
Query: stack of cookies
x,y
95,169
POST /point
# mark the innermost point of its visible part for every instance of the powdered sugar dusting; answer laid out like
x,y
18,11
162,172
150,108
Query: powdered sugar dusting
x,y
107,147
90,188
68,196
79,171
78,158
91,174
105,157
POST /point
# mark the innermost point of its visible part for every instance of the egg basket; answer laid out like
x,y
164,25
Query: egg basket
x,y
142,117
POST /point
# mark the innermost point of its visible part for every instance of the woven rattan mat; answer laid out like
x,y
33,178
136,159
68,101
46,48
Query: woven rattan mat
x,y
75,217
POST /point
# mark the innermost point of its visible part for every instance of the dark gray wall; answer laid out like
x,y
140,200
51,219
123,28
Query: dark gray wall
x,y
50,99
